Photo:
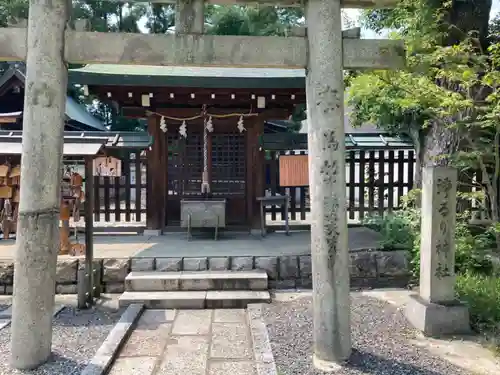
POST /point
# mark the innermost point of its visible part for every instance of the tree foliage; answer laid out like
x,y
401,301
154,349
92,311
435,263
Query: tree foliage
x,y
447,98
428,28
250,20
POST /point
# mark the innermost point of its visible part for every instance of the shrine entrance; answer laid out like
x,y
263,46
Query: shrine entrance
x,y
226,167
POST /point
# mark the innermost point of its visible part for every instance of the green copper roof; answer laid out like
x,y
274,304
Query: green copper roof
x,y
179,76
77,142
353,141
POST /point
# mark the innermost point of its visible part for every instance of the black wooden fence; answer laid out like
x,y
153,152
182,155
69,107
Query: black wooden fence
x,y
375,182
123,199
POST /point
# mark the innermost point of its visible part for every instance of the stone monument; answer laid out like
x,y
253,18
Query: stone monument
x,y
435,310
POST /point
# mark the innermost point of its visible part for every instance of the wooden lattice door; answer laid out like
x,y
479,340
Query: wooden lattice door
x,y
185,165
193,164
228,173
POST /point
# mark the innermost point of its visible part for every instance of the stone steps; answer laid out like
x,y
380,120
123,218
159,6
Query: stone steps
x,y
195,299
196,289
151,281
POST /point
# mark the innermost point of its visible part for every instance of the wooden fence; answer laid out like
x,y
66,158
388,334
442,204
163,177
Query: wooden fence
x,y
375,182
123,199
119,201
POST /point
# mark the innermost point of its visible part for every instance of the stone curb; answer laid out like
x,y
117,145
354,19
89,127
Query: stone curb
x,y
5,320
263,353
105,355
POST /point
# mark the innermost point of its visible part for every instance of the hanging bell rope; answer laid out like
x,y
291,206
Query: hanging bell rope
x,y
205,185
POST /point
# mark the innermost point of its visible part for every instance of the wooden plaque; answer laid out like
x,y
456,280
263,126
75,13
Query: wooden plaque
x,y
294,170
107,166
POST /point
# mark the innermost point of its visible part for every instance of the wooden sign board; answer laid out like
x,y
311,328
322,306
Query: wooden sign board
x,y
107,166
294,170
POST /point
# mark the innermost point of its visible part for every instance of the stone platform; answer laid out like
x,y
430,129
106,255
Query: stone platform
x,y
286,259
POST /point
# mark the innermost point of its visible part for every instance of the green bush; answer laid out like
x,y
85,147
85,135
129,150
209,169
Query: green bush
x,y
471,250
396,232
482,295
401,230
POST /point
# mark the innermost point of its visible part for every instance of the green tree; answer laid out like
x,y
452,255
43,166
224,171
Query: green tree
x,y
252,20
427,27
160,18
12,11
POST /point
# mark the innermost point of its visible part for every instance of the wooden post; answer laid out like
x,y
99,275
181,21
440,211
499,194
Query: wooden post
x,y
38,228
89,229
329,250
256,165
155,218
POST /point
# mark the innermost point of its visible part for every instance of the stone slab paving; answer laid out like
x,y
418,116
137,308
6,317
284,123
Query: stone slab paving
x,y
188,342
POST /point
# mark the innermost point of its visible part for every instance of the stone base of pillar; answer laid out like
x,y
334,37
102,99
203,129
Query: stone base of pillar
x,y
152,232
327,366
435,319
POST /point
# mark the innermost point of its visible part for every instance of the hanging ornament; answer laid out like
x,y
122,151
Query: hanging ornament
x,y
241,126
210,126
163,124
183,129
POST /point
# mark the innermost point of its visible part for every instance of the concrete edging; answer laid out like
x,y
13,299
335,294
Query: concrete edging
x,y
106,354
262,350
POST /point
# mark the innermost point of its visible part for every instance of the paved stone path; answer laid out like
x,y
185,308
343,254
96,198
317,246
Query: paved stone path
x,y
188,342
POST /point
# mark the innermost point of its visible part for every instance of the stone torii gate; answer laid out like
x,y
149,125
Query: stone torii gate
x,y
49,43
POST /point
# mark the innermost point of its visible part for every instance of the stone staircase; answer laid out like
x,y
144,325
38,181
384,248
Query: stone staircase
x,y
196,289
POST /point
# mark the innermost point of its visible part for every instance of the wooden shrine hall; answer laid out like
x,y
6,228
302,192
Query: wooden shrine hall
x,y
205,123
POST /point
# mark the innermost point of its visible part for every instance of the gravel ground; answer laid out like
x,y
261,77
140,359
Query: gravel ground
x,y
380,341
77,335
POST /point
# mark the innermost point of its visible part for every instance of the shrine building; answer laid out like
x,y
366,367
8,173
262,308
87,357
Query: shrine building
x,y
206,125
12,104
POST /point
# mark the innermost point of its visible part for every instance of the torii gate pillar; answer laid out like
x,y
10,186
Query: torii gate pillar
x,y
329,249
38,224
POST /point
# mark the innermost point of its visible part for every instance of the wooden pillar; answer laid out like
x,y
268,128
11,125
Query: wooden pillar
x,y
38,222
89,229
329,249
157,194
256,166
250,165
